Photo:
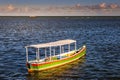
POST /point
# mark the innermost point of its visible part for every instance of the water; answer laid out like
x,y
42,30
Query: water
x,y
101,36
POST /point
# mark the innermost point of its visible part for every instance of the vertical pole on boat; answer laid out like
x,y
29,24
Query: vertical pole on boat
x,y
38,54
50,53
45,53
60,52
54,51
26,54
62,49
69,47
75,46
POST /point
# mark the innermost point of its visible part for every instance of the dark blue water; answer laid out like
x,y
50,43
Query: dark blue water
x,y
101,36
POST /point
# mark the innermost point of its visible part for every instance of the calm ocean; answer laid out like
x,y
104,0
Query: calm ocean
x,y
101,35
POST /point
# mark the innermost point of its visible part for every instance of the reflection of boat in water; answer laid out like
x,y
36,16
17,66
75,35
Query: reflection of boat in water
x,y
54,60
67,72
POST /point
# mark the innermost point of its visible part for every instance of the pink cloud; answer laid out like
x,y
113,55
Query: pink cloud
x,y
78,5
10,7
102,5
113,6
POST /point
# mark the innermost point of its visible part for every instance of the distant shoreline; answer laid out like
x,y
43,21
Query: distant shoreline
x,y
66,17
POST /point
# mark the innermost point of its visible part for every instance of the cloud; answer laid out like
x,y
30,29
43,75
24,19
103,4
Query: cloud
x,y
26,9
77,10
102,5
10,7
78,5
113,6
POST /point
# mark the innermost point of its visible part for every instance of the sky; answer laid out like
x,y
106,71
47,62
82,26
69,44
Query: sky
x,y
59,7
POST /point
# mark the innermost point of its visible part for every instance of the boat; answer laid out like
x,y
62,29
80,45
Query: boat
x,y
60,52
32,16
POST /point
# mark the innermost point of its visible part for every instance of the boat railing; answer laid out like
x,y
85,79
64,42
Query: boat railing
x,y
56,57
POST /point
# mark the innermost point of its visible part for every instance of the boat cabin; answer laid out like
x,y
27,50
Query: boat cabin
x,y
51,47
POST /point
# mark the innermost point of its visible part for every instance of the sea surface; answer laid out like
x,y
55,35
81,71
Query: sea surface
x,y
101,35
